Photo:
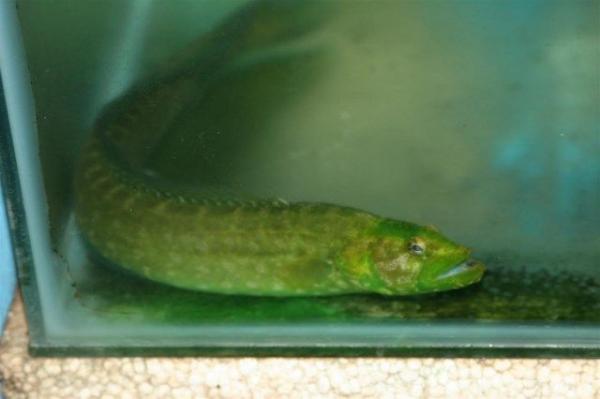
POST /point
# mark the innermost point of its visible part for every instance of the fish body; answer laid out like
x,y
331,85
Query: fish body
x,y
232,245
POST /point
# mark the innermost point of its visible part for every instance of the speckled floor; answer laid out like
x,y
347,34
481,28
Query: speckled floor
x,y
47,378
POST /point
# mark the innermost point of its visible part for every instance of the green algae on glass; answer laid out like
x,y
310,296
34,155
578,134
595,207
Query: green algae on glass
x,y
511,291
188,238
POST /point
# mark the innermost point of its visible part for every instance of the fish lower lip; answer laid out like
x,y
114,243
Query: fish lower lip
x,y
457,269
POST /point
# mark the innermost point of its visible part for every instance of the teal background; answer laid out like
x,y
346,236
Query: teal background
x,y
484,108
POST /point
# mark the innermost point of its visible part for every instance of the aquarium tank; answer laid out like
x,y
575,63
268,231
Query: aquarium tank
x,y
310,177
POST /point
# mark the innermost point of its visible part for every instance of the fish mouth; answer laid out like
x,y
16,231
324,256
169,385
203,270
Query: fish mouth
x,y
458,275
462,274
466,267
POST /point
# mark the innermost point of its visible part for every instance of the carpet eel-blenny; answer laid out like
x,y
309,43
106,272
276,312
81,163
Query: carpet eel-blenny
x,y
232,245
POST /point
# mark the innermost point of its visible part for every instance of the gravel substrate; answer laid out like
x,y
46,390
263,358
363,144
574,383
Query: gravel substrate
x,y
48,378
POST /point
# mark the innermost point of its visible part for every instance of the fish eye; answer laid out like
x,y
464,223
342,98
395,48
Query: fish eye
x,y
417,247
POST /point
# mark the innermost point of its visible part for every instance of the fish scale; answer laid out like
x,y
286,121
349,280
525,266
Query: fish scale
x,y
171,240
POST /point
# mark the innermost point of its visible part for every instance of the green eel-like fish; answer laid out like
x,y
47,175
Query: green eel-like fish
x,y
241,246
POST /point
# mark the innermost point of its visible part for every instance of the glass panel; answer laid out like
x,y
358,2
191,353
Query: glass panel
x,y
479,118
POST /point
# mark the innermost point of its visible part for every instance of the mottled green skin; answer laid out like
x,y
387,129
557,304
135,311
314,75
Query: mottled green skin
x,y
254,247
260,247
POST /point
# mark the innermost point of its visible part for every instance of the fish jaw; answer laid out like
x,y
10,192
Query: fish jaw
x,y
459,275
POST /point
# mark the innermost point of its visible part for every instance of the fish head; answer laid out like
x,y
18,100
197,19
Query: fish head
x,y
412,259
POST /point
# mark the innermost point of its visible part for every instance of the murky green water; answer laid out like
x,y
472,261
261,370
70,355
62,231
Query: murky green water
x,y
477,117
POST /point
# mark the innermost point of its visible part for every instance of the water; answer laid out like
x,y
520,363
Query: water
x,y
480,118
